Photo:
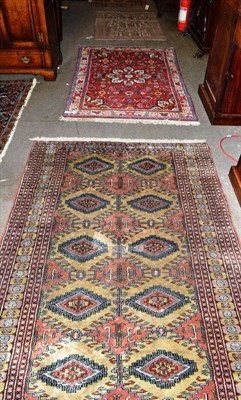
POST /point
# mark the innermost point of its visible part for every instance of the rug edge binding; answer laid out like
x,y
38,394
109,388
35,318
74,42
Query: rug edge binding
x,y
120,140
129,121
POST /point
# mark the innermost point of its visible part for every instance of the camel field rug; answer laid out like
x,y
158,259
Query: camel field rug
x,y
120,276
128,25
115,84
14,96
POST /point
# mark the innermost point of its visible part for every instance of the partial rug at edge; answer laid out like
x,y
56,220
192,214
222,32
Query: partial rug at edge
x,y
14,96
130,25
115,84
120,276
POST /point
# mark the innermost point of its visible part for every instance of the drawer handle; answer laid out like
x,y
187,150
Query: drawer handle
x,y
26,60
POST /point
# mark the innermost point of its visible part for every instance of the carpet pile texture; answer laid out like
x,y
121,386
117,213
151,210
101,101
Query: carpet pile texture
x,y
119,3
13,97
126,25
129,85
120,276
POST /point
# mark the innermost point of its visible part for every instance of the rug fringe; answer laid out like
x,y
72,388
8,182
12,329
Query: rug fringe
x,y
131,121
17,120
121,140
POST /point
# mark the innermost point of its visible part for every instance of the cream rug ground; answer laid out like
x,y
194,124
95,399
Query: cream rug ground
x,y
128,25
120,276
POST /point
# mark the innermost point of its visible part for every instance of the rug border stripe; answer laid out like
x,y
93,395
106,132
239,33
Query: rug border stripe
x,y
198,264
15,363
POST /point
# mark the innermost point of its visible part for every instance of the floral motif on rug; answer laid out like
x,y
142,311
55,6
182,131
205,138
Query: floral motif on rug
x,y
129,85
132,25
120,276
13,97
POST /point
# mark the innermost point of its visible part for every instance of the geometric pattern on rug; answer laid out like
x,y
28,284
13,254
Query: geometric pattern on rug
x,y
82,248
119,335
122,25
153,247
149,203
158,301
163,368
72,373
120,273
146,166
93,165
83,316
13,98
115,84
78,304
87,203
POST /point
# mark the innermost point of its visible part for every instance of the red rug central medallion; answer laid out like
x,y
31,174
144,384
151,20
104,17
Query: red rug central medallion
x,y
131,85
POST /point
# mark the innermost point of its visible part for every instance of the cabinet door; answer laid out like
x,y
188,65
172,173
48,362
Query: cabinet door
x,y
232,96
52,27
219,61
17,28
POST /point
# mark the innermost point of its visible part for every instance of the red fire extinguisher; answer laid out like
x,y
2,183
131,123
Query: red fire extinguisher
x,y
183,16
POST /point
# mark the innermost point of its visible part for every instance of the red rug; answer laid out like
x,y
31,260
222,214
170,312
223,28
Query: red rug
x,y
129,85
14,95
120,276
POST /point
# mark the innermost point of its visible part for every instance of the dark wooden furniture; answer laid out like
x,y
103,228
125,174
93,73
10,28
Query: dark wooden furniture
x,y
235,178
30,34
167,5
202,23
221,90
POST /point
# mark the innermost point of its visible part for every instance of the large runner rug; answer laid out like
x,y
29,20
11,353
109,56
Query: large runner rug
x,y
131,25
120,276
14,95
129,85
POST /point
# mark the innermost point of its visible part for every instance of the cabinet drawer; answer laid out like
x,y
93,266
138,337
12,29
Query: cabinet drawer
x,y
21,58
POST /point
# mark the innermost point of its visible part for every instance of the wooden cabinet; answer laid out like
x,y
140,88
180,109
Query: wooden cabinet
x,y
235,179
220,92
202,23
30,34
